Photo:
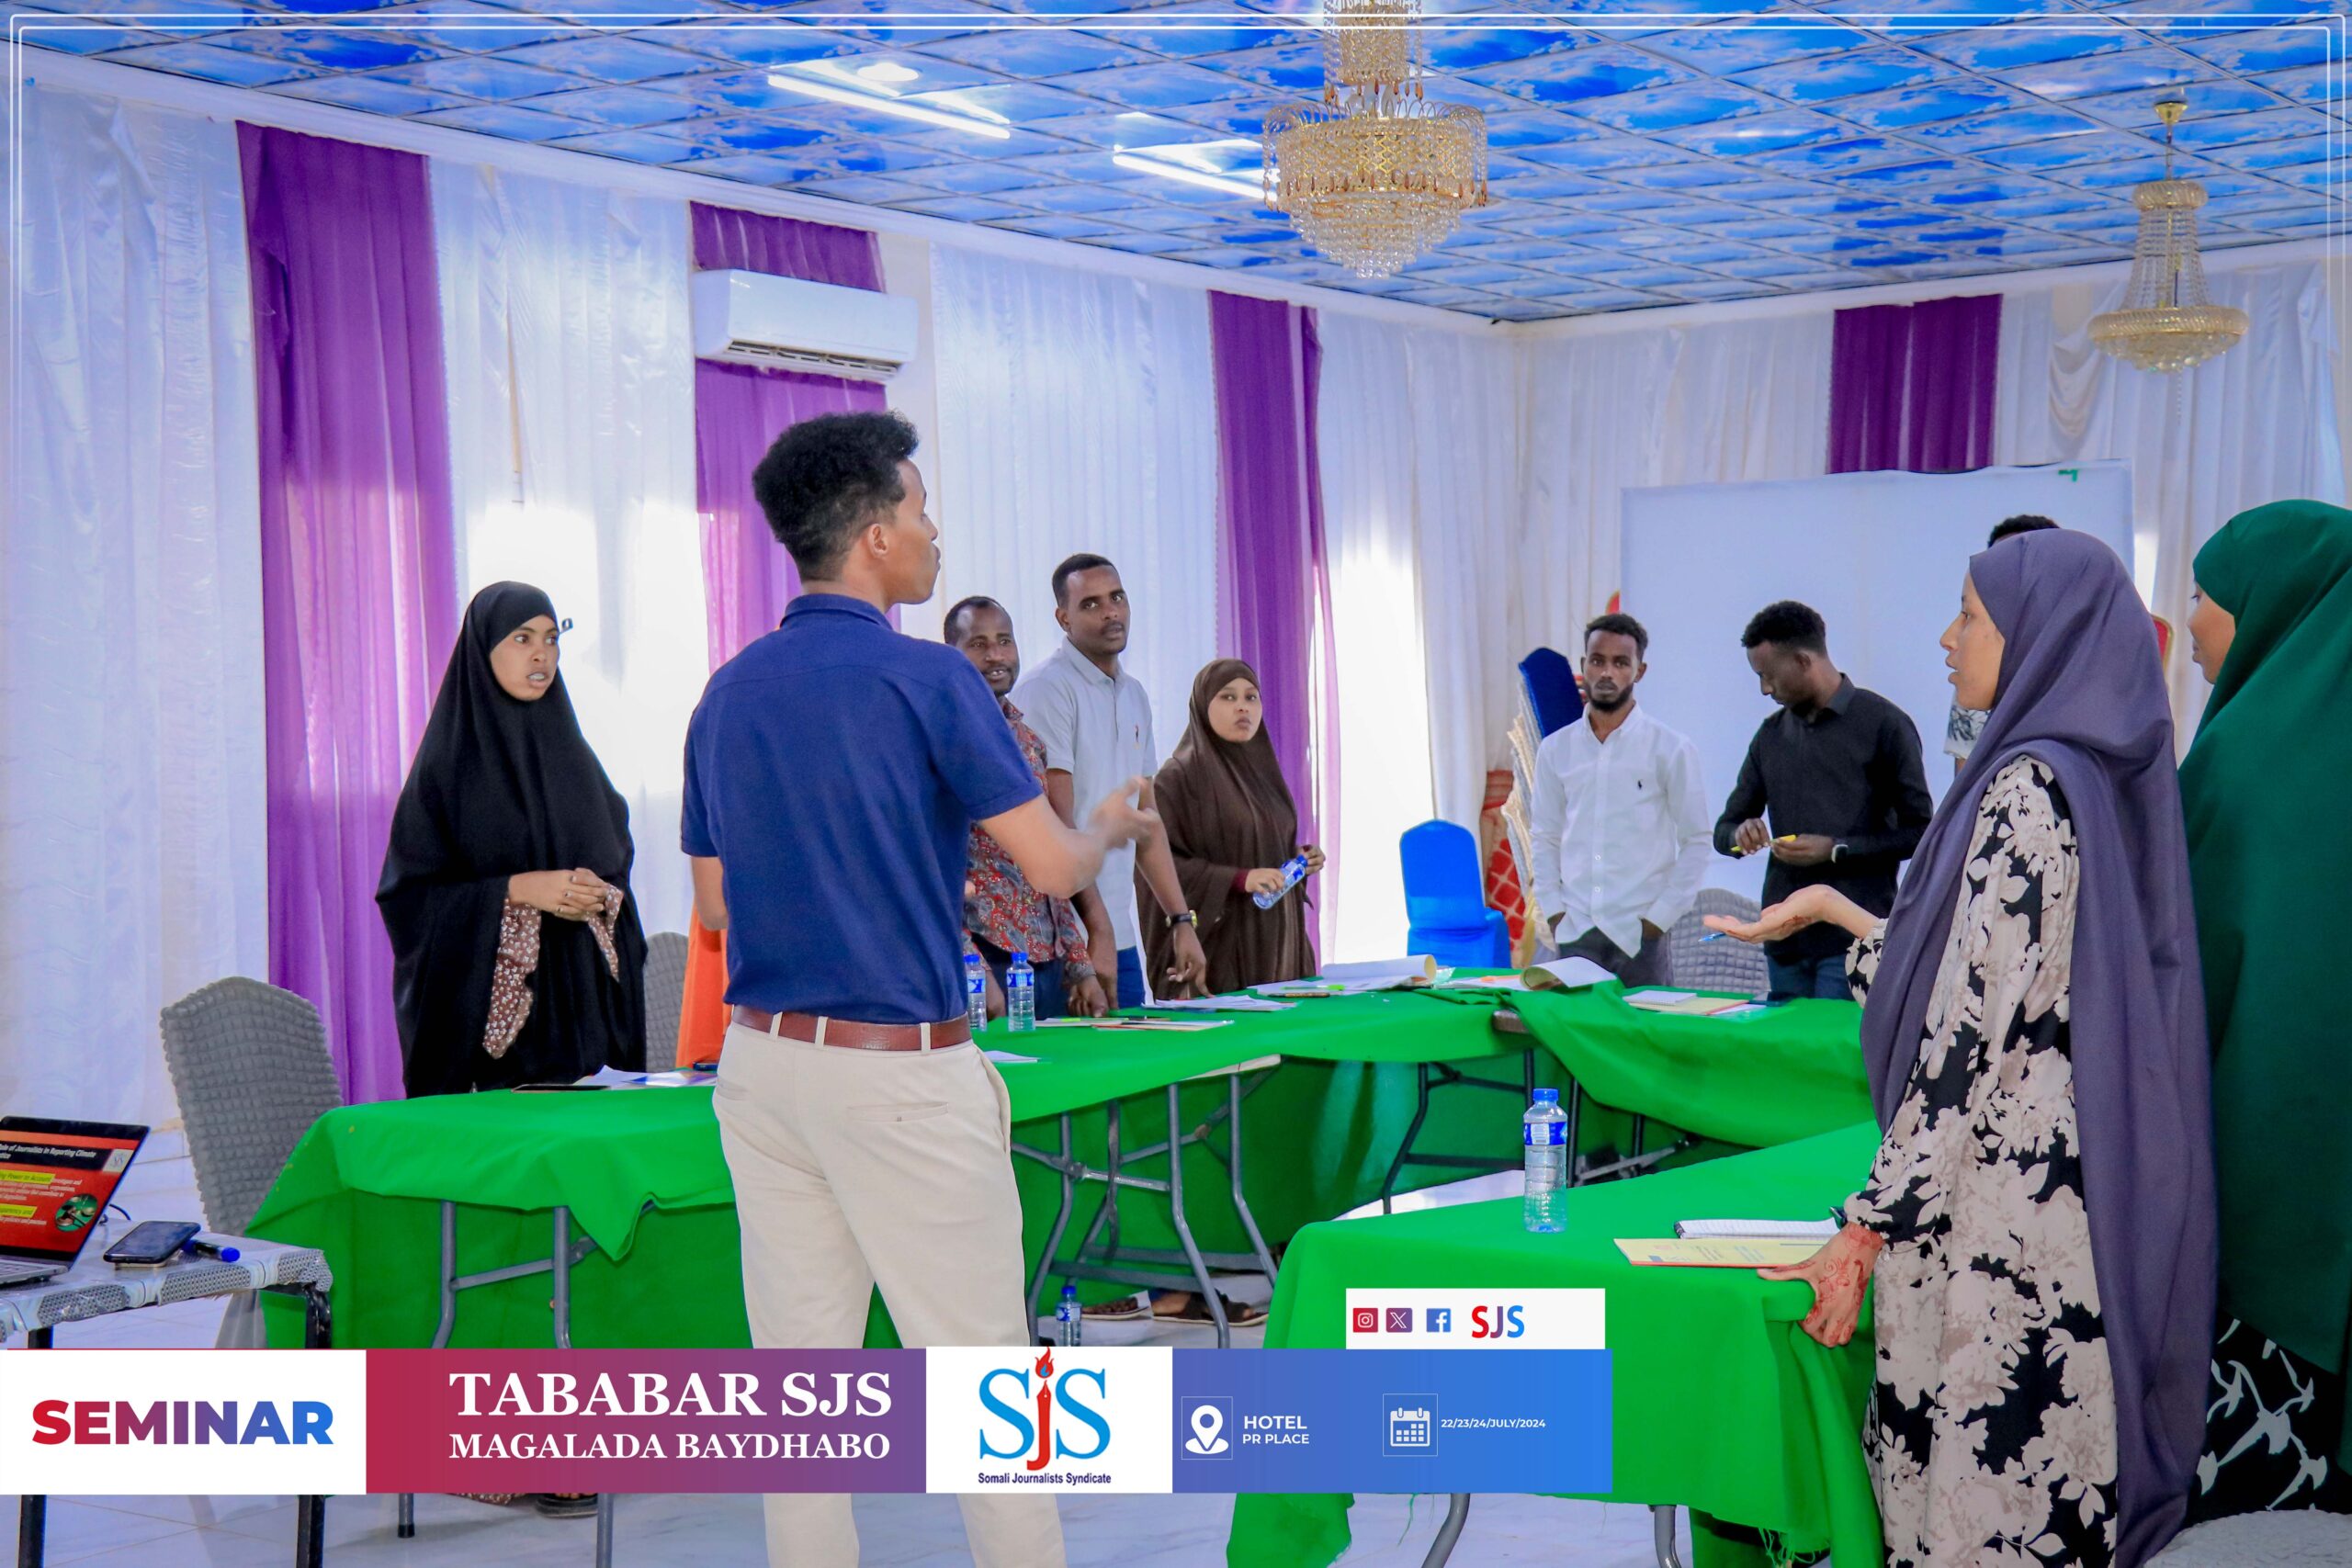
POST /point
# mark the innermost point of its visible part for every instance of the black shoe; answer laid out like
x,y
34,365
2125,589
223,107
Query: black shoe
x,y
562,1506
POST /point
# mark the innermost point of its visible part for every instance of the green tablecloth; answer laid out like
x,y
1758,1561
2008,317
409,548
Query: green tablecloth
x,y
1767,1078
1723,1403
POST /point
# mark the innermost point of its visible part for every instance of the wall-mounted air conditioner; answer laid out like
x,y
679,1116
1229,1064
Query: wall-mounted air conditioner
x,y
783,324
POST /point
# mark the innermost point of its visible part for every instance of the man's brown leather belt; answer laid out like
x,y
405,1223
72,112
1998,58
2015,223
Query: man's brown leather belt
x,y
855,1036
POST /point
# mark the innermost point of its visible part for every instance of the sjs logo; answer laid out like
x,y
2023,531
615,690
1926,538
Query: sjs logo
x,y
1498,1322
1040,1417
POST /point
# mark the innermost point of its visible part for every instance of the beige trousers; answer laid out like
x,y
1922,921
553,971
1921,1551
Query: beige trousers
x,y
858,1169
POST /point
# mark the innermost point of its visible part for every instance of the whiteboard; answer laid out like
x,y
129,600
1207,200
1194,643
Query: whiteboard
x,y
1880,554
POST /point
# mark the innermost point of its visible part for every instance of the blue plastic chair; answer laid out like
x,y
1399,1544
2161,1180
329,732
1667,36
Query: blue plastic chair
x,y
1445,901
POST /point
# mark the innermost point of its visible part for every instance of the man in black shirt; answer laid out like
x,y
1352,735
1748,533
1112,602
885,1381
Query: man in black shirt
x,y
1840,771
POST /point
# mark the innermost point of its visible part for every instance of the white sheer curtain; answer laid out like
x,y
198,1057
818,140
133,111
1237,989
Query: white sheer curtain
x,y
1623,407
570,371
2258,424
1076,412
132,855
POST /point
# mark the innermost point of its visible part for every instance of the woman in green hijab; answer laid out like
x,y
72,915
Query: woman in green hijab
x,y
2263,788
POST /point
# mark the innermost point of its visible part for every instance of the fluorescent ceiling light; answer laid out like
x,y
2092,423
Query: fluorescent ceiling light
x,y
1165,170
888,71
857,99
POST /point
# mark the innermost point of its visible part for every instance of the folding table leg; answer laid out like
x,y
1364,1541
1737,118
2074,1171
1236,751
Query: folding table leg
x,y
1184,1226
1068,1169
1405,1149
1662,1533
1457,1514
1233,1098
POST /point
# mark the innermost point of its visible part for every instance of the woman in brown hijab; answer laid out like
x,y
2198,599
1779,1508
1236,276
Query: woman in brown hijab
x,y
1231,824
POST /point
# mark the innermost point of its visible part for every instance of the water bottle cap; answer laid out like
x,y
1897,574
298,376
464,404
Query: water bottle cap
x,y
1068,1291
1020,956
1547,1096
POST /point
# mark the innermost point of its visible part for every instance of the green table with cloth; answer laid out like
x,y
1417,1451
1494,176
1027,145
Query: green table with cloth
x,y
1723,1403
368,1183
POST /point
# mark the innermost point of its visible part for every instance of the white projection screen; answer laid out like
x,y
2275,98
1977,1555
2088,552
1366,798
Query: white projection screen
x,y
1880,554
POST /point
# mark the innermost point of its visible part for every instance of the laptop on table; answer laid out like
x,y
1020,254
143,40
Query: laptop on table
x,y
56,1179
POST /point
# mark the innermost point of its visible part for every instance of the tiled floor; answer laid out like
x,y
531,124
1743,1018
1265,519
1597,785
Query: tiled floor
x,y
720,1532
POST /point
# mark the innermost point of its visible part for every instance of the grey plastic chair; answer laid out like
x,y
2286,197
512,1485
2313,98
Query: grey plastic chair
x,y
665,997
250,1066
1724,965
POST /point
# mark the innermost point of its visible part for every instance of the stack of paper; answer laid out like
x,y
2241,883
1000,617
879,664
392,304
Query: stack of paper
x,y
1688,1004
617,1077
1779,1230
1219,1004
1724,1252
1358,979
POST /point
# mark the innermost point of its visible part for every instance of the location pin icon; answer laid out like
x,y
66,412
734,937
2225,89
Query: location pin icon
x,y
1208,1422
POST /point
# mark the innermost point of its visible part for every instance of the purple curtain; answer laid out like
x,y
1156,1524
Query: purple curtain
x,y
739,409
1911,385
1274,580
359,592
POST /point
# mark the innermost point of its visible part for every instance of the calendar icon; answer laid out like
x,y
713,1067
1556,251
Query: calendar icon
x,y
1411,1424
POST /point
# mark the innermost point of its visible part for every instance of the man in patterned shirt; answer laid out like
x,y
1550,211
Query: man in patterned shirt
x,y
1002,913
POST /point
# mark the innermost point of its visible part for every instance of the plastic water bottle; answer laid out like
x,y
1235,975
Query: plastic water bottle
x,y
975,992
1020,995
1544,1131
1069,1318
1292,870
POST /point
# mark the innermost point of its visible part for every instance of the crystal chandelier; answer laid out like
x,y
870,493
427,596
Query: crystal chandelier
x,y
1375,174
2168,321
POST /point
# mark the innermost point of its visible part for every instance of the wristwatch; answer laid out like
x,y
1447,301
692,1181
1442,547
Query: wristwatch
x,y
1189,917
1836,853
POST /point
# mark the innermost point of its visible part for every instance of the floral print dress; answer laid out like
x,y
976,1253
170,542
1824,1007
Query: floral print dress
x,y
1991,1432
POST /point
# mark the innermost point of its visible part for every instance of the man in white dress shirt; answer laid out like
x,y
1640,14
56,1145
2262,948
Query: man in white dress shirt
x,y
1621,824
1096,723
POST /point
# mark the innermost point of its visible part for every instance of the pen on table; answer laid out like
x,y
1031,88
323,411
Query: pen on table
x,y
220,1250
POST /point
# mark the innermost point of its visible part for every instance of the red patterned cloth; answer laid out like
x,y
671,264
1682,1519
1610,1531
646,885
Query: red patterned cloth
x,y
518,955
1000,906
1502,871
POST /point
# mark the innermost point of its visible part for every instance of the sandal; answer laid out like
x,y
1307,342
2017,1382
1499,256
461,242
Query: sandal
x,y
1126,1309
1238,1314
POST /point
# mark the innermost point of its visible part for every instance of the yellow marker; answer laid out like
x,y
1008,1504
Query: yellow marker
x,y
1783,839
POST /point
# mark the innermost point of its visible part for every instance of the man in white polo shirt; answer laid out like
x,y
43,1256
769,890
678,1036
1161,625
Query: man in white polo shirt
x,y
1620,823
1096,723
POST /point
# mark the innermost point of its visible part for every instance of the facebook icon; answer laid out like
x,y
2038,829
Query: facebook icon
x,y
1440,1319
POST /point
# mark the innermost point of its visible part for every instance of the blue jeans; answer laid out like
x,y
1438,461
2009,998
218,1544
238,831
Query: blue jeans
x,y
1130,978
1819,977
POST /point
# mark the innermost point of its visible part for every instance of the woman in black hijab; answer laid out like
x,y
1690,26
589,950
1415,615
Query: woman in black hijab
x,y
517,955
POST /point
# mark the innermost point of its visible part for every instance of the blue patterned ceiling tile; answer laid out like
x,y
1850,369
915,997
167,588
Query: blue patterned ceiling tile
x,y
1142,244
1932,104
1961,234
958,144
1609,152
1216,256
2319,87
1457,50
1534,128
895,21
2209,18
1712,288
637,146
1475,275
1897,220
873,158
1713,253
1025,103
1765,228
1622,201
2321,177
1447,299
869,190
1295,68
1843,246
2018,245
1834,205
764,168
1469,95
1721,181
2200,135
2256,210
1927,19
719,134
72,34
619,108
2136,69
1902,259
962,209
1978,132
1676,104
1608,264
983,178
1184,32
1610,299
2042,207
2109,150
1150,216
462,26
616,61
1069,7
1600,70
1860,72
1839,157
1819,280
2318,221
2000,194
1055,228
1528,311
2013,51
883,73
2265,157
330,49
2115,219
1170,85
761,41
237,67
1511,248
513,121
2121,174
620,13
1747,45
1569,226
1661,277
1034,53
481,76
1767,266
1741,138
371,97
184,22
1552,186
1239,118
1079,199
2135,111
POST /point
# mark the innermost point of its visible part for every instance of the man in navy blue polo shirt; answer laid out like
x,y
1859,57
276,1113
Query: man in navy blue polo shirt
x,y
833,770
